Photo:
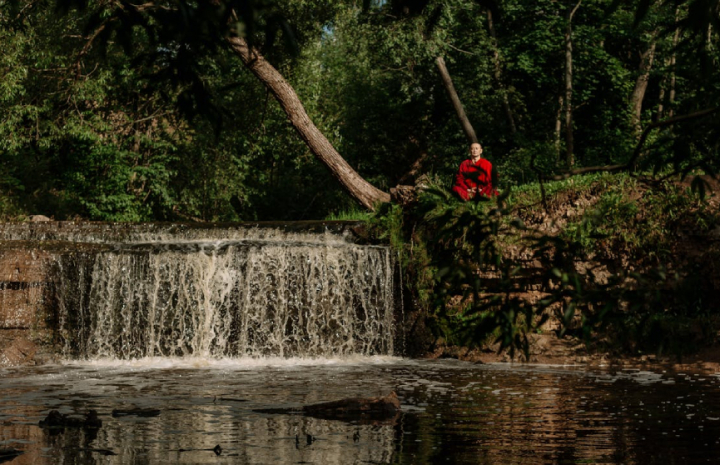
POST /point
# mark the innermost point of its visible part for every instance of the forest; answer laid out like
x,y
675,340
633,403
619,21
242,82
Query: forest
x,y
242,110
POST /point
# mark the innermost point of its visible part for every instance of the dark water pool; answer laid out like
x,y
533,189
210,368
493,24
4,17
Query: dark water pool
x,y
453,412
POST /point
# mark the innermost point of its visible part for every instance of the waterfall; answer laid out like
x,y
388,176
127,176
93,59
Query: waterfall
x,y
217,292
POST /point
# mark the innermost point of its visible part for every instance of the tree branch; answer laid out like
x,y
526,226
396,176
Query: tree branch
x,y
638,149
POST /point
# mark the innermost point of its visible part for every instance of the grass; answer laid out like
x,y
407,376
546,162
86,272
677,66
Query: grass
x,y
352,214
531,193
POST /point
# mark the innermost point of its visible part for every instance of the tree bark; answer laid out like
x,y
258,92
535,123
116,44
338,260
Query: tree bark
x,y
365,193
569,142
558,127
671,64
418,163
498,75
459,110
638,95
661,96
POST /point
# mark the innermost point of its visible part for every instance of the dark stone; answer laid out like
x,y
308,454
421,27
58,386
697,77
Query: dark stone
x,y
8,454
56,419
373,406
138,412
217,450
106,452
229,399
356,408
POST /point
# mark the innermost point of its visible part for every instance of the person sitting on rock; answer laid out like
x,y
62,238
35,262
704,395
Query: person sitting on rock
x,y
474,179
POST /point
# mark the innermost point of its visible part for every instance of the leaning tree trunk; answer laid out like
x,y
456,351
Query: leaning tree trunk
x,y
459,110
364,192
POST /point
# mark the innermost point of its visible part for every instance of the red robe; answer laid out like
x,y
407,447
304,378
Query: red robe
x,y
474,175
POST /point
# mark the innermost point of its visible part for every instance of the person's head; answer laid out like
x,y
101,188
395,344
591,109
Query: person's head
x,y
475,150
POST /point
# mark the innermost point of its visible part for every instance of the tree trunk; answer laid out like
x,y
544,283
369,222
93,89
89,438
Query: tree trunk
x,y
558,127
416,167
569,142
676,39
670,64
709,43
638,95
661,96
365,193
498,75
459,110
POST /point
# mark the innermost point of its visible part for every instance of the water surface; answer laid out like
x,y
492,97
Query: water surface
x,y
452,412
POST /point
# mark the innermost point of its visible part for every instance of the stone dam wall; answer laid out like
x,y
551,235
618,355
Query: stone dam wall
x,y
30,254
25,301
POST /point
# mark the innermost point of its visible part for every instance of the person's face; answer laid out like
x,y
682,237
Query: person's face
x,y
475,150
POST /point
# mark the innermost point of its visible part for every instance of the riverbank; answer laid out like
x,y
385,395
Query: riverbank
x,y
622,265
547,349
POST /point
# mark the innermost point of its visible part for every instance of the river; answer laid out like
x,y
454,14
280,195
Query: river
x,y
452,412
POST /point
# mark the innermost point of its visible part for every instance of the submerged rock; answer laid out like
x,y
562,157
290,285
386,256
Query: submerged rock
x,y
56,419
9,454
138,412
217,450
371,408
105,452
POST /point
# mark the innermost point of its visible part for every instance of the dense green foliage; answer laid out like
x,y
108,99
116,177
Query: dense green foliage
x,y
152,120
129,111
632,272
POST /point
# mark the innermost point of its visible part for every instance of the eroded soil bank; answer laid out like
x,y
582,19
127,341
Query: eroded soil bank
x,y
630,238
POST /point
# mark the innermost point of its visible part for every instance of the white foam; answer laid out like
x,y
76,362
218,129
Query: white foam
x,y
240,363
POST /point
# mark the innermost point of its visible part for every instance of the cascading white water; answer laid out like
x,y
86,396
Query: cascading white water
x,y
269,293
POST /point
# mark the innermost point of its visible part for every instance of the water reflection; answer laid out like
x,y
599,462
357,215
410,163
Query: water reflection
x,y
453,412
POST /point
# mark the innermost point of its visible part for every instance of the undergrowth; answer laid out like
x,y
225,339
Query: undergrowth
x,y
633,295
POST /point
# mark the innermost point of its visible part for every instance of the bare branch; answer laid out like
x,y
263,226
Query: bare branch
x,y
460,50
638,149
664,123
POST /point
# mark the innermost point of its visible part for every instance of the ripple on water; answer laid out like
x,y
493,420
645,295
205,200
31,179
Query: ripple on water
x,y
451,412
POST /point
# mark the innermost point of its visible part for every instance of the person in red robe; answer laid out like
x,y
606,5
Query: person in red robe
x,y
474,178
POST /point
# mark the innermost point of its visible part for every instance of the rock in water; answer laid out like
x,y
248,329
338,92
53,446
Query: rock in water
x,y
386,406
56,419
9,454
139,412
355,408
